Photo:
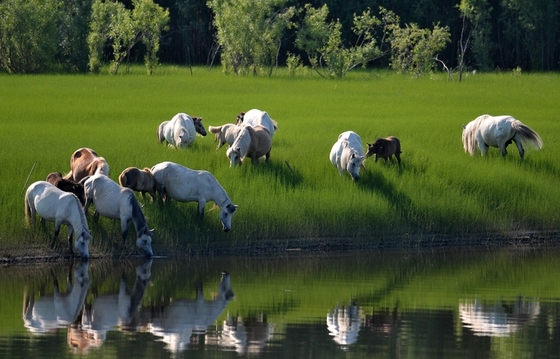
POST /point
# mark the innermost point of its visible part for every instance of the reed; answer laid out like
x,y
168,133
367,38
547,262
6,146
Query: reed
x,y
298,194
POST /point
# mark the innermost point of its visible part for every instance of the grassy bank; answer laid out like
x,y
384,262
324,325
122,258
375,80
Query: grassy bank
x,y
438,189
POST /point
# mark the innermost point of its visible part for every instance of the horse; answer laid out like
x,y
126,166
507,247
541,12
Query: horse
x,y
117,202
55,205
385,148
252,142
498,131
225,133
85,162
347,154
181,130
139,180
256,117
67,185
186,185
178,321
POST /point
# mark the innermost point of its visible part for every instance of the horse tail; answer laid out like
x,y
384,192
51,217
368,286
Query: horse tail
x,y
527,134
469,138
102,167
27,208
215,129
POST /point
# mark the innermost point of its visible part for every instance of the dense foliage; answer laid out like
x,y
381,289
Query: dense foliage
x,y
46,36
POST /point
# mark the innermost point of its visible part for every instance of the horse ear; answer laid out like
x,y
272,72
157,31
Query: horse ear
x,y
464,127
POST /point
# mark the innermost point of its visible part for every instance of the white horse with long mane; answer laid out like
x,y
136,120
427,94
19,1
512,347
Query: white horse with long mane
x,y
117,202
186,185
55,205
498,131
253,142
348,154
181,130
256,117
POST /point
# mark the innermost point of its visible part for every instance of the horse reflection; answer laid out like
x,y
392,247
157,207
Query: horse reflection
x,y
384,320
116,309
498,319
182,319
59,310
249,335
343,323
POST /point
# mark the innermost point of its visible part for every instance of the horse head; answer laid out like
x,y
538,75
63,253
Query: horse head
x,y
226,214
354,163
234,155
199,127
82,243
239,118
144,242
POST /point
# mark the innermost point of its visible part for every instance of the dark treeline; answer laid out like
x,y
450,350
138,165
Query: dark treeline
x,y
505,34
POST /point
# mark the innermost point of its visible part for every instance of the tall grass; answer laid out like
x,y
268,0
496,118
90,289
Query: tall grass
x,y
298,194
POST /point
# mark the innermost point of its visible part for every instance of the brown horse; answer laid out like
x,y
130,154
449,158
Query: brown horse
x,y
67,185
385,148
252,142
139,180
85,162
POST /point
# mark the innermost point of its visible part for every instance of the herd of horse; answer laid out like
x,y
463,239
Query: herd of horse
x,y
66,199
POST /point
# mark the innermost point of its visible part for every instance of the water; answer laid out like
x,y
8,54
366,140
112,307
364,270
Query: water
x,y
444,304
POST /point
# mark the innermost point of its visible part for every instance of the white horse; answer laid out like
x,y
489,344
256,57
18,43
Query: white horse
x,y
181,130
178,321
59,310
186,185
498,131
252,142
225,133
347,154
256,117
117,202
55,205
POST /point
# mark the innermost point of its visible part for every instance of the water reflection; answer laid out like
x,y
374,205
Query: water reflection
x,y
58,310
179,322
246,335
498,319
344,323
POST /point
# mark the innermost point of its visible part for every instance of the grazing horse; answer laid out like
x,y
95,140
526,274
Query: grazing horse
x,y
178,321
85,162
186,185
181,130
385,148
256,117
66,185
498,131
116,202
225,133
252,142
347,154
55,205
139,180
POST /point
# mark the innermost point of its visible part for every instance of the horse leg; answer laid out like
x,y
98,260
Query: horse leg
x,y
201,205
398,156
519,144
483,148
124,229
70,233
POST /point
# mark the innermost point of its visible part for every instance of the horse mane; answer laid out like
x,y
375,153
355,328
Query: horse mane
x,y
82,214
469,134
138,217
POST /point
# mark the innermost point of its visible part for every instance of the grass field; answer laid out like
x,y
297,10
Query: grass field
x,y
438,189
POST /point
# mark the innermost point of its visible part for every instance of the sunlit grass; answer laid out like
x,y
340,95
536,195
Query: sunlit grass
x,y
298,194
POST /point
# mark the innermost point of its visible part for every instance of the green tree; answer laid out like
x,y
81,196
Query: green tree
x,y
323,44
111,21
413,50
250,32
72,34
478,30
28,35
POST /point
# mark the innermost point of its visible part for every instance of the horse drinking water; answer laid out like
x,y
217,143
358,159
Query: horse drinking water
x,y
116,202
498,131
55,205
186,185
347,154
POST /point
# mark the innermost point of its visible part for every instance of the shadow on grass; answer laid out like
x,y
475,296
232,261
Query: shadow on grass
x,y
281,171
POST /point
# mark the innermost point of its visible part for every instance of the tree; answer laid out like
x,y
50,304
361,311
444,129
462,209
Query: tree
x,y
250,32
413,49
476,15
111,21
322,42
72,34
28,35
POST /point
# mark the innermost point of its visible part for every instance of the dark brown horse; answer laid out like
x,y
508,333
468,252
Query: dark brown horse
x,y
139,180
66,185
385,148
85,162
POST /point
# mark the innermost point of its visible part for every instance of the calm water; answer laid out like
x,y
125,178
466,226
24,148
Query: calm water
x,y
445,304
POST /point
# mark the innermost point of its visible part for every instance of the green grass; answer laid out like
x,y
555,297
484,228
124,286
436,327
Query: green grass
x,y
437,189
